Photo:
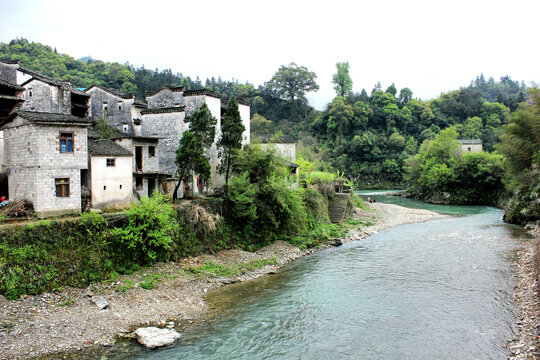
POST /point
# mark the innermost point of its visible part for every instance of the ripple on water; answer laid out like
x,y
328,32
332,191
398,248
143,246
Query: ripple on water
x,y
436,290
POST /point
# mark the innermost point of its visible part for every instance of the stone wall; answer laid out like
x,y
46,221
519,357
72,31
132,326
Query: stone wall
x,y
285,151
119,109
33,162
169,127
8,72
42,97
111,185
166,98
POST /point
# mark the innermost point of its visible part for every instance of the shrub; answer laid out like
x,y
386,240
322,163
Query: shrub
x,y
150,230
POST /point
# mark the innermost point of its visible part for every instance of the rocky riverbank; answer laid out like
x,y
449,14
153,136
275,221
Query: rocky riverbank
x,y
71,320
527,294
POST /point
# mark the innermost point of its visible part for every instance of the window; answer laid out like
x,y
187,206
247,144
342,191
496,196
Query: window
x,y
104,187
62,187
125,128
120,186
111,162
151,151
66,142
138,183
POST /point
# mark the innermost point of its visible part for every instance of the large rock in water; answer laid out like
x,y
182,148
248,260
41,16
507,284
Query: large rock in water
x,y
153,337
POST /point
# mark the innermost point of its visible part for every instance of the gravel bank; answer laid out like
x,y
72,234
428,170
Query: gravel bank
x,y
527,295
69,321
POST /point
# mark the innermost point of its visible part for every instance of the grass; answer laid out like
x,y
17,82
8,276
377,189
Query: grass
x,y
217,270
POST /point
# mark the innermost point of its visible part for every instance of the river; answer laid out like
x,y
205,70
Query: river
x,y
435,290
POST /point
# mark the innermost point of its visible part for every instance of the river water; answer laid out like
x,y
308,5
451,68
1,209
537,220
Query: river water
x,y
435,290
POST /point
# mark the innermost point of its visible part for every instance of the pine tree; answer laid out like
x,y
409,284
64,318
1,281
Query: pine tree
x,y
231,138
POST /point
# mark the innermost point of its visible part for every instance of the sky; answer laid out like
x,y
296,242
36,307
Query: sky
x,y
430,47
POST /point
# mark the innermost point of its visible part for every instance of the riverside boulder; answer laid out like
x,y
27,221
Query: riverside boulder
x,y
153,337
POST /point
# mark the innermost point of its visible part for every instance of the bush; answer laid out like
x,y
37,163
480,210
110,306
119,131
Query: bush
x,y
151,229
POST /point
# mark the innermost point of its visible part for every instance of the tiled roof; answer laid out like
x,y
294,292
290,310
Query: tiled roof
x,y
171,88
43,117
10,85
93,133
140,103
201,92
115,92
106,147
163,110
470,141
46,79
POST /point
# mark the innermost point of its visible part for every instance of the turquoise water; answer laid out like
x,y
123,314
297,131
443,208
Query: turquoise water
x,y
435,290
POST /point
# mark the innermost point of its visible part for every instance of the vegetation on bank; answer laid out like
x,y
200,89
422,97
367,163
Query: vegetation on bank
x,y
520,145
261,206
441,173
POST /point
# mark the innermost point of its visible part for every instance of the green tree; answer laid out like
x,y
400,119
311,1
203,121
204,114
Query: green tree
x,y
230,142
342,80
520,144
293,82
340,116
190,155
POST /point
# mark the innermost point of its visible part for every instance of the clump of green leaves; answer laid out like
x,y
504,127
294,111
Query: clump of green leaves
x,y
150,230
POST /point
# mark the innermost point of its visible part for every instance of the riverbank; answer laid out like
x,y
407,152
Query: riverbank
x,y
527,295
70,320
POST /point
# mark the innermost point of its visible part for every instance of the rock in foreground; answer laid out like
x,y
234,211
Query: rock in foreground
x,y
153,337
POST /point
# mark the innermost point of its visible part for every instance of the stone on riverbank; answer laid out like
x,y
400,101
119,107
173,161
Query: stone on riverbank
x,y
153,337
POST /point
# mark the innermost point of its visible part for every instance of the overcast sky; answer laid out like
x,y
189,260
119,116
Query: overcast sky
x,y
429,46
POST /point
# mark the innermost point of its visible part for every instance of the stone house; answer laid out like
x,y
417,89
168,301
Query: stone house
x,y
471,145
145,163
45,154
114,105
109,177
165,115
45,94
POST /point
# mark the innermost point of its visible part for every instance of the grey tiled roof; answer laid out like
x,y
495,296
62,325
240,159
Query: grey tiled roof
x,y
163,110
115,92
470,141
171,88
10,85
201,92
43,117
106,147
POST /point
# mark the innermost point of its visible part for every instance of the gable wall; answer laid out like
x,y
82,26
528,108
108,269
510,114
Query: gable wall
x,y
119,109
165,98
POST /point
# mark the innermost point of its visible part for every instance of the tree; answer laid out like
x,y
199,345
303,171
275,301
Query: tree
x,y
342,80
190,155
231,138
293,82
405,95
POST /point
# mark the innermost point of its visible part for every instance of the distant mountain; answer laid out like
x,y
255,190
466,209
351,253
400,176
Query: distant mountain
x,y
86,59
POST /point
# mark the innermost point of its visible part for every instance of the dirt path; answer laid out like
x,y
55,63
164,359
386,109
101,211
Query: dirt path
x,y
69,320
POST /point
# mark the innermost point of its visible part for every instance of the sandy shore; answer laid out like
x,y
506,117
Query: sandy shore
x,y
70,321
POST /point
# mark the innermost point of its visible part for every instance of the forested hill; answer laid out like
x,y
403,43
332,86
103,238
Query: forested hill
x,y
126,77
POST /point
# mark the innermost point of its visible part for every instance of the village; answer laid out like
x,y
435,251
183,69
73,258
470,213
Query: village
x,y
53,156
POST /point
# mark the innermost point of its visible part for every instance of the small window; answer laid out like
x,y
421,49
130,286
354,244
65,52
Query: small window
x,y
66,142
469,148
30,93
104,187
125,128
138,183
119,107
151,151
111,162
62,187
120,186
